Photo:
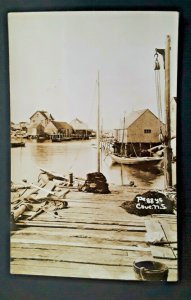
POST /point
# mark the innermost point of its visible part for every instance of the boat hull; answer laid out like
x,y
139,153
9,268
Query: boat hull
x,y
17,144
134,160
59,140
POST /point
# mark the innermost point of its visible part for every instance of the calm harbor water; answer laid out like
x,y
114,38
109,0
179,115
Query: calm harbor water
x,y
79,158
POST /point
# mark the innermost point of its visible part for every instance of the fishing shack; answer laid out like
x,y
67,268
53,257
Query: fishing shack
x,y
140,130
59,131
38,122
81,130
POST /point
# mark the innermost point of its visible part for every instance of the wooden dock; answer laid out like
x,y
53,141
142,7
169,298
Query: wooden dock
x,y
93,238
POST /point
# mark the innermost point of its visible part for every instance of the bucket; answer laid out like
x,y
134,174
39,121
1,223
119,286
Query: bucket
x,y
150,270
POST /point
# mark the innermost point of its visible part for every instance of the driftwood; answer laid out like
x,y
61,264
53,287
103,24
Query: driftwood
x,y
46,208
38,193
16,187
42,189
52,174
27,194
19,211
22,206
55,198
55,175
38,212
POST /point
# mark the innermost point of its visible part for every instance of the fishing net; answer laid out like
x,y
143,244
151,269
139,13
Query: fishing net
x,y
149,203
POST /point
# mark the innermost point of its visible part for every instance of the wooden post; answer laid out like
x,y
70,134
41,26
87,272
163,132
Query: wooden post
x,y
122,142
98,126
71,179
168,150
19,211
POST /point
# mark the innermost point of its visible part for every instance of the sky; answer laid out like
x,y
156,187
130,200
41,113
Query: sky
x,y
55,57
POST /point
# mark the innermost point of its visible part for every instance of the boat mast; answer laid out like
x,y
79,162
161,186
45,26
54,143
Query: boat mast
x,y
168,149
98,126
122,141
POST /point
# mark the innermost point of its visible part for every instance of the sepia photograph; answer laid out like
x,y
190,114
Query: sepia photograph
x,y
93,105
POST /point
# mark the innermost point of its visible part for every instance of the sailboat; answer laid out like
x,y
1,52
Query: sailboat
x,y
98,126
135,160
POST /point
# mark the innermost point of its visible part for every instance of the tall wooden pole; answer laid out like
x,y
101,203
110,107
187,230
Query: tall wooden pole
x,y
98,126
122,141
168,150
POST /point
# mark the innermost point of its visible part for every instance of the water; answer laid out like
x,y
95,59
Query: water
x,y
79,158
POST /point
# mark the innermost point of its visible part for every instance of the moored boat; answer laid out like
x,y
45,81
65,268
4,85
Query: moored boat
x,y
58,139
41,139
135,160
17,144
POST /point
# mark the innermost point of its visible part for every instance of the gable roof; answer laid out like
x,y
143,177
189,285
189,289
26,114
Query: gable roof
x,y
44,113
60,125
78,124
133,116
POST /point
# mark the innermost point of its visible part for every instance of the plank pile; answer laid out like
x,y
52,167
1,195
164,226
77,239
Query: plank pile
x,y
36,199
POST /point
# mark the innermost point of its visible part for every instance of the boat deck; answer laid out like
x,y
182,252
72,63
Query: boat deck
x,y
93,238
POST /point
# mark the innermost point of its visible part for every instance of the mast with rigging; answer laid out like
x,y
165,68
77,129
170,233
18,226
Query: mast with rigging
x,y
98,126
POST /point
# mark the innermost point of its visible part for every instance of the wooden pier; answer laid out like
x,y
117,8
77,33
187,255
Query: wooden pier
x,y
93,238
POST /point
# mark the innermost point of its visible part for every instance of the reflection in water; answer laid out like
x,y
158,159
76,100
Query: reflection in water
x,y
141,175
80,158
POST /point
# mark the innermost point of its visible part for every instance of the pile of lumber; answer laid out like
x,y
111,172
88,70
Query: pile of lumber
x,y
36,199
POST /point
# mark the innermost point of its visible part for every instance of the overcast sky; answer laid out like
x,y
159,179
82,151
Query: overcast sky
x,y
55,58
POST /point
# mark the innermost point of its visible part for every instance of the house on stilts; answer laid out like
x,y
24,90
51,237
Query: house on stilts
x,y
139,131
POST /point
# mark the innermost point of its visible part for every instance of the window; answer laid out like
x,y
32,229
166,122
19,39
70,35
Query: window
x,y
147,130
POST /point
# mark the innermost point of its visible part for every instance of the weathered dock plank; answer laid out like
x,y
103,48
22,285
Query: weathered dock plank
x,y
62,221
79,255
171,235
154,230
83,252
93,238
162,252
82,241
66,269
84,226
60,234
124,247
66,215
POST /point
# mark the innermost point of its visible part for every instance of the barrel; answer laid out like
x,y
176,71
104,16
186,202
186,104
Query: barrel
x,y
150,270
